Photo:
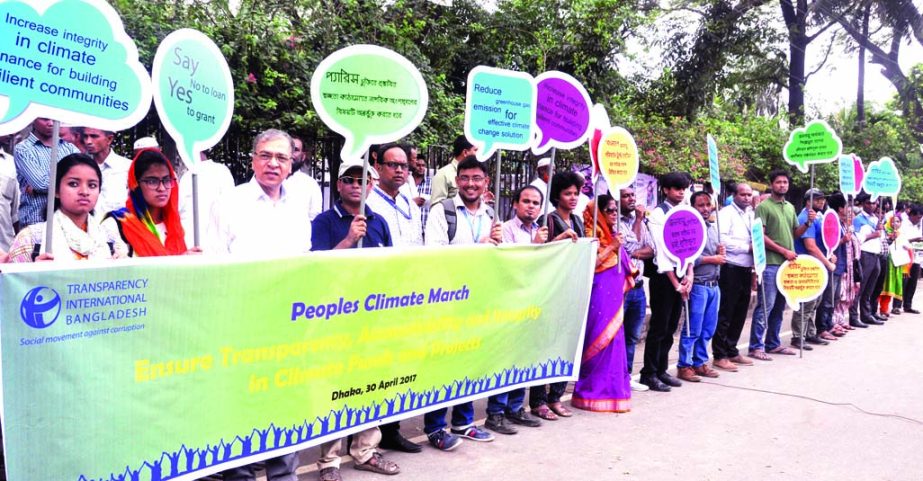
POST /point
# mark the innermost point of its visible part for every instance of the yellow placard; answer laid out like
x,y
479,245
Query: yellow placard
x,y
618,158
801,280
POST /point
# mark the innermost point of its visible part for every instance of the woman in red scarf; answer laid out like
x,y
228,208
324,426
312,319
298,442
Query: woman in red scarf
x,y
149,224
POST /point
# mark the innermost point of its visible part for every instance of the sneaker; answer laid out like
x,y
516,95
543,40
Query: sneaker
x,y
474,433
443,440
523,418
638,387
497,423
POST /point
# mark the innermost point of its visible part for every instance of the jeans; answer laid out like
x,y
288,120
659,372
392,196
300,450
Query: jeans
x,y
665,313
871,268
462,417
635,310
508,402
735,301
824,319
703,318
538,395
767,323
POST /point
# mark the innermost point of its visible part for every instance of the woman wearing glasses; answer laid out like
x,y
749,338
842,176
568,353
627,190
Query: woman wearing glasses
x,y
149,224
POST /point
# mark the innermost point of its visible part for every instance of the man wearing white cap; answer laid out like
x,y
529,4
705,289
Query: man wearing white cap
x,y
145,143
543,170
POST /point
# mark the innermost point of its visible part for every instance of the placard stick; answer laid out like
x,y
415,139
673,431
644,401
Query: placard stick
x,y
804,324
195,209
687,316
365,185
52,184
548,187
498,217
596,204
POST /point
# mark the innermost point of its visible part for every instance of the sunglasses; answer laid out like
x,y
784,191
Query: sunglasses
x,y
349,180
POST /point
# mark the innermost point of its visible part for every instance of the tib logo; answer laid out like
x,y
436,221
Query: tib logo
x,y
40,307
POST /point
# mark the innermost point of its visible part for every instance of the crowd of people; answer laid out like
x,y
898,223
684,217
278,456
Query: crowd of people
x,y
109,207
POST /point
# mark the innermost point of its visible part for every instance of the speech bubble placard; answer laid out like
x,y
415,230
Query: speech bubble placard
x,y
848,184
193,92
815,143
69,60
714,168
758,241
830,231
499,110
599,122
369,95
618,158
882,179
562,116
683,237
801,280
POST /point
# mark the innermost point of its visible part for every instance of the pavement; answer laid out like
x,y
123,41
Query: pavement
x,y
852,410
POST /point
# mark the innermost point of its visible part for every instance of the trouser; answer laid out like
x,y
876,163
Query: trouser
x,y
361,449
506,403
635,310
703,318
665,313
735,301
824,319
880,283
871,268
910,287
390,430
462,417
803,320
767,316
538,396
277,469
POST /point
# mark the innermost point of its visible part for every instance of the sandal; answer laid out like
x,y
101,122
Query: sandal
x,y
783,350
560,409
379,465
545,413
829,337
762,356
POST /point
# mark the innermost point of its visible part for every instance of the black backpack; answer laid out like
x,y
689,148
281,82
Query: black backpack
x,y
451,216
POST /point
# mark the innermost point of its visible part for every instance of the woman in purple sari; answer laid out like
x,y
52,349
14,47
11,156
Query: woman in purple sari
x,y
604,382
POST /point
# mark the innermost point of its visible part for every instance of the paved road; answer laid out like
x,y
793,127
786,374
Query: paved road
x,y
849,411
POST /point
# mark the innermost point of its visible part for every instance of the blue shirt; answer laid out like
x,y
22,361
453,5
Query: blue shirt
x,y
814,231
332,226
33,159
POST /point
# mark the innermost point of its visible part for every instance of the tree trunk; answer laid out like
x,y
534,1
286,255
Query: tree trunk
x,y
795,17
860,94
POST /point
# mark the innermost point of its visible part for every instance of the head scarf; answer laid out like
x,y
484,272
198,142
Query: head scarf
x,y
138,226
604,233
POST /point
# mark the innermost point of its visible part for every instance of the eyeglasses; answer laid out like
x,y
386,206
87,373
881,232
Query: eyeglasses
x,y
349,180
464,179
267,156
154,182
396,165
610,211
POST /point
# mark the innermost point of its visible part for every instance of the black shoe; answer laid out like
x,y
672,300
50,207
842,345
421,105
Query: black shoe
x,y
911,311
796,343
873,321
523,418
816,340
859,324
654,384
669,380
896,311
881,317
497,423
397,442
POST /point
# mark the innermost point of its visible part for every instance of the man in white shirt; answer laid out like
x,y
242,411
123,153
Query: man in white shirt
x,y
736,279
913,229
114,188
7,163
214,181
389,201
870,231
260,218
302,181
543,171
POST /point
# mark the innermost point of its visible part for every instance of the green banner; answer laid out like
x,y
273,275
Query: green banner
x,y
175,368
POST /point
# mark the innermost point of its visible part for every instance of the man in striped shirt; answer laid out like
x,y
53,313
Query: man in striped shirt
x,y
33,159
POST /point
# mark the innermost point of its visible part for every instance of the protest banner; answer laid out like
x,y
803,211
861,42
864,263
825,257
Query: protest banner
x,y
563,112
683,237
801,280
618,158
851,174
882,179
71,61
759,248
369,95
714,166
178,367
